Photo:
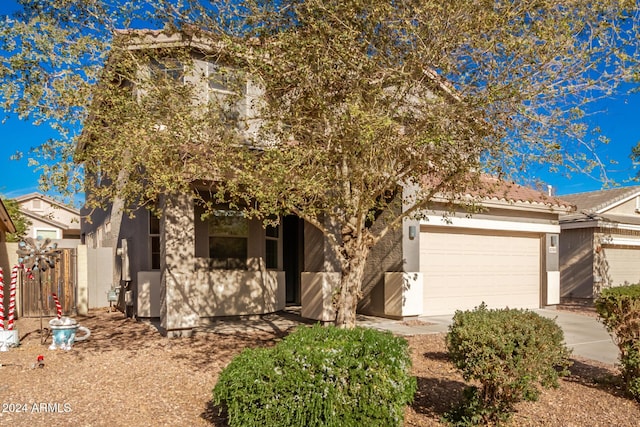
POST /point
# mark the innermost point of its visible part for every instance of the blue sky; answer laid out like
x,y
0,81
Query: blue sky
x,y
618,118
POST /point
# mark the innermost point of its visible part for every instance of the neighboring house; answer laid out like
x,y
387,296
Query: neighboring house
x,y
6,224
49,218
600,242
185,269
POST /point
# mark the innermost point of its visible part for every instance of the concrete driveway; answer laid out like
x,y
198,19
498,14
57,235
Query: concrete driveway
x,y
585,335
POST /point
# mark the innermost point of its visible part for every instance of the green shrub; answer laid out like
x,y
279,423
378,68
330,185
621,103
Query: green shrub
x,y
619,311
510,353
320,376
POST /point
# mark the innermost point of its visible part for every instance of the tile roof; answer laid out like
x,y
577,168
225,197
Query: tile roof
x,y
499,190
594,201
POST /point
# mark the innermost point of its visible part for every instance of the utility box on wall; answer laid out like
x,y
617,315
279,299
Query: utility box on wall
x,y
148,294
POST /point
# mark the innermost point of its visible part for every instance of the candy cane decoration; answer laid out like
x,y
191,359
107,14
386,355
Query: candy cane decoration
x,y
1,300
58,306
29,273
12,296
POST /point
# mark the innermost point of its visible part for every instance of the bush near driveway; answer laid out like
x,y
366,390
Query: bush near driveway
x,y
320,376
619,311
510,353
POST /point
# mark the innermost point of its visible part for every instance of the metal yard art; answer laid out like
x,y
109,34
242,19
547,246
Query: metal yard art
x,y
36,256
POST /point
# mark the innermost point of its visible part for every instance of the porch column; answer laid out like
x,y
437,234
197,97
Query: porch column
x,y
178,296
320,278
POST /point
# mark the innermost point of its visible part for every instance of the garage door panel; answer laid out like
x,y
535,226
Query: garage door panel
x,y
624,265
462,270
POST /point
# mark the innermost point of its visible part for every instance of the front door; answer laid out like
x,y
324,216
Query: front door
x,y
293,256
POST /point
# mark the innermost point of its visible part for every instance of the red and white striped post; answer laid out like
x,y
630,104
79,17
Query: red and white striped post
x,y
12,297
58,306
1,300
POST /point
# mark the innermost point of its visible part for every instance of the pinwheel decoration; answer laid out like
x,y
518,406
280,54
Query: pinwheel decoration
x,y
38,255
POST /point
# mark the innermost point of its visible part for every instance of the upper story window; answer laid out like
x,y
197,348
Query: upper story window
x,y
220,79
167,69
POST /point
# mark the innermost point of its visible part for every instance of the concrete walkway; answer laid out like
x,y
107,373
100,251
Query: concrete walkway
x,y
585,335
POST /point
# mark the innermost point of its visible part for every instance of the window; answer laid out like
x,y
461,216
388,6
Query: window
x,y
223,84
228,238
168,69
220,80
46,233
154,241
271,250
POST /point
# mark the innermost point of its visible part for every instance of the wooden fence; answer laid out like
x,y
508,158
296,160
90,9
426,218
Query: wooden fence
x,y
61,280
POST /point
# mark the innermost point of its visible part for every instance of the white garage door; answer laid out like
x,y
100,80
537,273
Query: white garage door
x,y
624,265
461,269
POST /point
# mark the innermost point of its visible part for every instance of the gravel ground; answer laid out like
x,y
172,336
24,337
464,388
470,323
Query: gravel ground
x,y
127,374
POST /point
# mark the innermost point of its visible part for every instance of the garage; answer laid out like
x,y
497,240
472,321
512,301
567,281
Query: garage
x,y
462,268
623,264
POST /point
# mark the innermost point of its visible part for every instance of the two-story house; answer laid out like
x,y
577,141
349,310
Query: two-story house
x,y
50,219
185,268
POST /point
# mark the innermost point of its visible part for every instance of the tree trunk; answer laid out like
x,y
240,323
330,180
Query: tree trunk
x,y
355,258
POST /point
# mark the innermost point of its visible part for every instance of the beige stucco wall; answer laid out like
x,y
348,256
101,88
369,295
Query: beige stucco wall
x,y
321,275
237,292
69,219
190,290
626,208
56,213
178,292
37,225
82,302
386,256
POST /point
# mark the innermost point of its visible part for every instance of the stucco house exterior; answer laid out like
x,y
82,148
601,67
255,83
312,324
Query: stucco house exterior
x,y
600,242
504,255
184,269
6,256
50,218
